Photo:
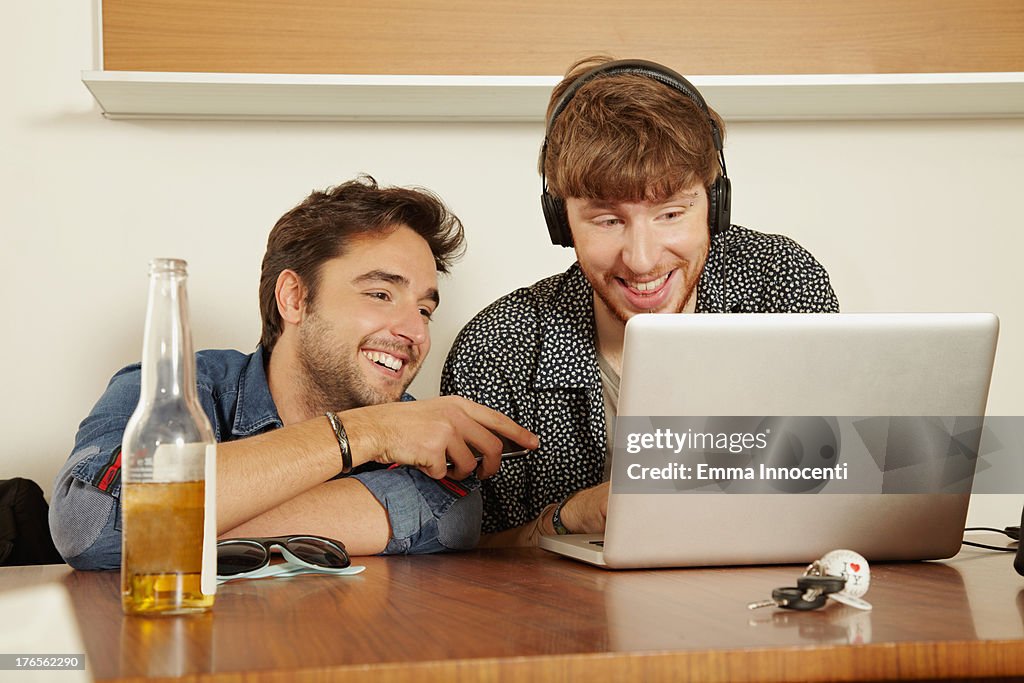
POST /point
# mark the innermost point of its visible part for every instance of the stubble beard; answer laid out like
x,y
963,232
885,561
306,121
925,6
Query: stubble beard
x,y
331,377
691,277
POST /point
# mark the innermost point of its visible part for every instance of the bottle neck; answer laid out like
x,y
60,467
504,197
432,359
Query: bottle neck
x,y
168,361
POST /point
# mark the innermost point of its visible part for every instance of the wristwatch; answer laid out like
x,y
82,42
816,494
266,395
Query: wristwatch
x,y
556,518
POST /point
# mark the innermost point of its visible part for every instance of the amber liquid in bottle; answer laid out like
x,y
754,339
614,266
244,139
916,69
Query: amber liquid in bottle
x,y
164,453
156,517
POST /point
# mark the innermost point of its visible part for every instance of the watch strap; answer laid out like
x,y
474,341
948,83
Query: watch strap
x,y
556,517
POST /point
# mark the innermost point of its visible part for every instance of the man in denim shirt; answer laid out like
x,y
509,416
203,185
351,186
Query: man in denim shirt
x,y
348,286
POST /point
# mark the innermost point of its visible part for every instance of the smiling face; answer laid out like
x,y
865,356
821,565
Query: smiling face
x,y
642,257
364,337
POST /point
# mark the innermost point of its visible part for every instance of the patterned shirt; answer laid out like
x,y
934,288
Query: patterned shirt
x,y
532,355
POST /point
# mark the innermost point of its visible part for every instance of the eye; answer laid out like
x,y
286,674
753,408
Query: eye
x,y
380,296
608,221
427,313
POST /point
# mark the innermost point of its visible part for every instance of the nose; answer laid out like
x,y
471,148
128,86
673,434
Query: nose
x,y
640,250
412,325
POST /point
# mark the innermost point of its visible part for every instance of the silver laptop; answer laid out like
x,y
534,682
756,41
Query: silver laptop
x,y
863,368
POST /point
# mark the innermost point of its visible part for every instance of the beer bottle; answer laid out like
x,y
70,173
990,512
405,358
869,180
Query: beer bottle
x,y
167,493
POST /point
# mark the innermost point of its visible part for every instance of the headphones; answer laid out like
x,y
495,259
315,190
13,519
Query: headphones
x,y
720,193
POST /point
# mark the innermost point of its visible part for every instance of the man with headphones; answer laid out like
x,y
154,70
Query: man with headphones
x,y
634,178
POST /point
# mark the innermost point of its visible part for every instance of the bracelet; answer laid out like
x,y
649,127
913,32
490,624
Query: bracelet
x,y
343,445
556,517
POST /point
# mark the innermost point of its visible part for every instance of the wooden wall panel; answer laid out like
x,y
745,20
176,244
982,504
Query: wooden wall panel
x,y
541,37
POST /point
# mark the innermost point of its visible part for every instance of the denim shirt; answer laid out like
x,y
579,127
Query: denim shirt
x,y
85,510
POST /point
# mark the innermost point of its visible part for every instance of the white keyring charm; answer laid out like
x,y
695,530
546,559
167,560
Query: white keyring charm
x,y
849,600
852,567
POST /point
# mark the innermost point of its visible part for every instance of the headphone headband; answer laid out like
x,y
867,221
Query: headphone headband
x,y
639,67
720,193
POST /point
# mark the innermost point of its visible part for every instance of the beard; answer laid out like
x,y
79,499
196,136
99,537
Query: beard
x,y
332,376
606,284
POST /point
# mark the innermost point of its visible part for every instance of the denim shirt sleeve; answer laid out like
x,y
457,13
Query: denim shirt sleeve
x,y
85,510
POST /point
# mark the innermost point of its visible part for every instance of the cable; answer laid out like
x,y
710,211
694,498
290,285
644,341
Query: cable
x,y
1005,532
1002,549
1010,532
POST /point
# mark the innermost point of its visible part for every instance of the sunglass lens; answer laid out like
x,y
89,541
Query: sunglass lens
x,y
318,552
237,558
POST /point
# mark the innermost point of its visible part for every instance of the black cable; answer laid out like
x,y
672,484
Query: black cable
x,y
1003,549
988,528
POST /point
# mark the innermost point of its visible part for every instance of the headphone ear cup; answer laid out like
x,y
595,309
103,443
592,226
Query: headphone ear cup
x,y
720,209
558,223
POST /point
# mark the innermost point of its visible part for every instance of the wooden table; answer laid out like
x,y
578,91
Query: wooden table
x,y
526,615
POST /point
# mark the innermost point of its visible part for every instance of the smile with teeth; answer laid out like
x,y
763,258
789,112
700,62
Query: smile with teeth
x,y
385,359
645,287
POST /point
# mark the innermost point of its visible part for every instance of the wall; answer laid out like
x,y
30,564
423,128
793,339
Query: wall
x,y
914,216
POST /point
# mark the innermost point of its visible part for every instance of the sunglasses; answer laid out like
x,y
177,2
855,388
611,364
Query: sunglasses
x,y
249,558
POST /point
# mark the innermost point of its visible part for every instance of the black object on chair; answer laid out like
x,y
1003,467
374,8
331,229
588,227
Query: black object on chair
x,y
24,529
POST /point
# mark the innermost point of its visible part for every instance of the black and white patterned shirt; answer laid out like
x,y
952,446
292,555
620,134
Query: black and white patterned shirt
x,y
531,355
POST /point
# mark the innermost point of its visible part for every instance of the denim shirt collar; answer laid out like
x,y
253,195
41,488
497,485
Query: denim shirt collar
x,y
256,409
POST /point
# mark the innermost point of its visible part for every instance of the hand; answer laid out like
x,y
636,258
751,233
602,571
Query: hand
x,y
586,511
431,433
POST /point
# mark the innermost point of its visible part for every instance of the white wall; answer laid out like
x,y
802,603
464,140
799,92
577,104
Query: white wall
x,y
915,216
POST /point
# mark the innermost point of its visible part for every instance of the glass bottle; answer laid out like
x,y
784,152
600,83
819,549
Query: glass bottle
x,y
167,494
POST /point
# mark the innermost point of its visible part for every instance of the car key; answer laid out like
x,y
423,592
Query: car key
x,y
813,586
790,598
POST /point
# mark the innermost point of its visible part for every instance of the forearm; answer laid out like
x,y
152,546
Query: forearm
x,y
342,509
522,536
262,472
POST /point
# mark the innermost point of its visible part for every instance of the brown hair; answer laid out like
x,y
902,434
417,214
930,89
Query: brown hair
x,y
627,137
325,223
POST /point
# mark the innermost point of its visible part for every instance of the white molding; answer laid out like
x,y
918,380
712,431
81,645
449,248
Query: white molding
x,y
312,97
97,33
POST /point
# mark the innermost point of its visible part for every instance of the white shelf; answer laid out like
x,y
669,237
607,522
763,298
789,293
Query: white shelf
x,y
161,95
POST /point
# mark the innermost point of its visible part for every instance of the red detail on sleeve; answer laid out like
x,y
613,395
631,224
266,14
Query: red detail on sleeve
x,y
457,489
110,474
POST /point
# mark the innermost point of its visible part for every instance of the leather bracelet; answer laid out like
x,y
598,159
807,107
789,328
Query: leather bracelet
x,y
556,517
343,445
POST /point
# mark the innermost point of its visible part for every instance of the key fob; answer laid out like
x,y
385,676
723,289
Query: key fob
x,y
793,598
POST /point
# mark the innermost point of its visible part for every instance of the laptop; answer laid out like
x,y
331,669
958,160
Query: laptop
x,y
875,373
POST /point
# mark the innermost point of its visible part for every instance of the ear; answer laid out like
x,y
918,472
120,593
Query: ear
x,y
290,293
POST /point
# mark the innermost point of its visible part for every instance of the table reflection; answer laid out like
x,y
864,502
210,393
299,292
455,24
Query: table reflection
x,y
254,624
706,608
